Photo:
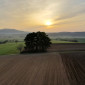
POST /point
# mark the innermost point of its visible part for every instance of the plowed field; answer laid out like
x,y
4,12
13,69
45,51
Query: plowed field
x,y
42,69
75,67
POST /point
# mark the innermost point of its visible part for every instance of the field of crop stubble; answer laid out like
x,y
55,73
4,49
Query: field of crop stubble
x,y
51,68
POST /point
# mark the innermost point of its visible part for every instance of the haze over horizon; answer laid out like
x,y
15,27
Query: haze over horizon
x,y
43,15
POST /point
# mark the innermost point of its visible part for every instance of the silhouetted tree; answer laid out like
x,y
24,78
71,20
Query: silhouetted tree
x,y
37,42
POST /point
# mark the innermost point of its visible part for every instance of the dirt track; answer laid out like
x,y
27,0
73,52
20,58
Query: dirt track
x,y
38,69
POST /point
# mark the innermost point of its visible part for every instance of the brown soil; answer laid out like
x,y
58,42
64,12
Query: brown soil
x,y
43,69
75,67
33,69
67,47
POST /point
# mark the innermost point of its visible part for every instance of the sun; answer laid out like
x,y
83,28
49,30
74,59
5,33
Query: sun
x,y
48,23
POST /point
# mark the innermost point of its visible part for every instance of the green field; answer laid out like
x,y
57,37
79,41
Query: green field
x,y
9,48
80,40
59,41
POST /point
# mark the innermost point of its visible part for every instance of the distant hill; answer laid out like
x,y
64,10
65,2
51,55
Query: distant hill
x,y
11,31
17,34
67,35
12,34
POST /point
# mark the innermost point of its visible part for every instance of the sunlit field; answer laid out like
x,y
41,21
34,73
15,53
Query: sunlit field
x,y
9,48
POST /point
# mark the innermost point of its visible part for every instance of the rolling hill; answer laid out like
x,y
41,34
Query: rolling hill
x,y
16,34
67,35
11,31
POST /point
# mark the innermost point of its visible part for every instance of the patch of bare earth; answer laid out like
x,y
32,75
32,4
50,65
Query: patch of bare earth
x,y
67,47
75,67
33,69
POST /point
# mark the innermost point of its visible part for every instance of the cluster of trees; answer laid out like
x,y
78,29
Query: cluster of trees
x,y
36,42
73,40
10,41
3,42
13,41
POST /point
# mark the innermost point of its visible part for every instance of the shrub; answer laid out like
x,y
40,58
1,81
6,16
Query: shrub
x,y
20,47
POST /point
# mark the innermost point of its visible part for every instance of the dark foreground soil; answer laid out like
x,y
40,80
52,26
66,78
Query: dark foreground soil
x,y
75,67
42,69
33,69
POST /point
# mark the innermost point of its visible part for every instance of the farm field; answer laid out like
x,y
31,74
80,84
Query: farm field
x,y
81,40
59,41
11,48
58,45
75,67
43,69
66,40
62,47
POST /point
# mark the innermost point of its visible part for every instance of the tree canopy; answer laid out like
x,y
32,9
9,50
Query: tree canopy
x,y
37,42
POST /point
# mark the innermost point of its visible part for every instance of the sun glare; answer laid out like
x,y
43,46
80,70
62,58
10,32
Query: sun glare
x,y
48,23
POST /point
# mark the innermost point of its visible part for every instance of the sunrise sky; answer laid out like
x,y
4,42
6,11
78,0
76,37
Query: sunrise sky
x,y
43,15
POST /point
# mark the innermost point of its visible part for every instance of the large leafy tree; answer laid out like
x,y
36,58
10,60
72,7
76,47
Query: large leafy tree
x,y
37,42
